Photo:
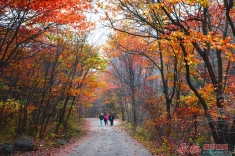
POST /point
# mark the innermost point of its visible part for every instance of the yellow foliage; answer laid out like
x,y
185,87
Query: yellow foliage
x,y
204,3
10,105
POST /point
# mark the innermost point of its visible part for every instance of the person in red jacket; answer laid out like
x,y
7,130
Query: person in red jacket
x,y
106,117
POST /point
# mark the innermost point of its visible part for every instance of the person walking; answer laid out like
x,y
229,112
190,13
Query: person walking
x,y
111,118
106,117
101,118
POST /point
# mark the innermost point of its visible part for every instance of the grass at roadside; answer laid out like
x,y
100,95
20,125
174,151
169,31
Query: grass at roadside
x,y
142,136
50,141
8,134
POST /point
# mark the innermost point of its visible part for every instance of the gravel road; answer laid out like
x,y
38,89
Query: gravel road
x,y
105,141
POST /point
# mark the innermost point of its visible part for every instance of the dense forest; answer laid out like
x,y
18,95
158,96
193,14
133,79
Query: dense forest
x,y
166,69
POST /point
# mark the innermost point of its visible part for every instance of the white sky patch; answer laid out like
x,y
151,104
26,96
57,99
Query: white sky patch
x,y
100,35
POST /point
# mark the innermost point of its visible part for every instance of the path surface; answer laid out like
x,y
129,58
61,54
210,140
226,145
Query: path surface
x,y
105,141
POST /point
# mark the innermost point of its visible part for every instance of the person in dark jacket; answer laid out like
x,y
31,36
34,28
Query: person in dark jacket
x,y
101,119
111,118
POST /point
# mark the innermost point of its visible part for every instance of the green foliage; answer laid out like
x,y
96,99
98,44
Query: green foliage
x,y
8,132
142,133
199,140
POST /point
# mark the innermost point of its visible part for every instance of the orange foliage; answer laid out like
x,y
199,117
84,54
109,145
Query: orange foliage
x,y
45,11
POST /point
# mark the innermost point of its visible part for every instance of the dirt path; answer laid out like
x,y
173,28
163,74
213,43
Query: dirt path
x,y
104,141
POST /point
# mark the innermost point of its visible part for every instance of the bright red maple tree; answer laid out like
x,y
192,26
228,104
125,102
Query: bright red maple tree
x,y
23,22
